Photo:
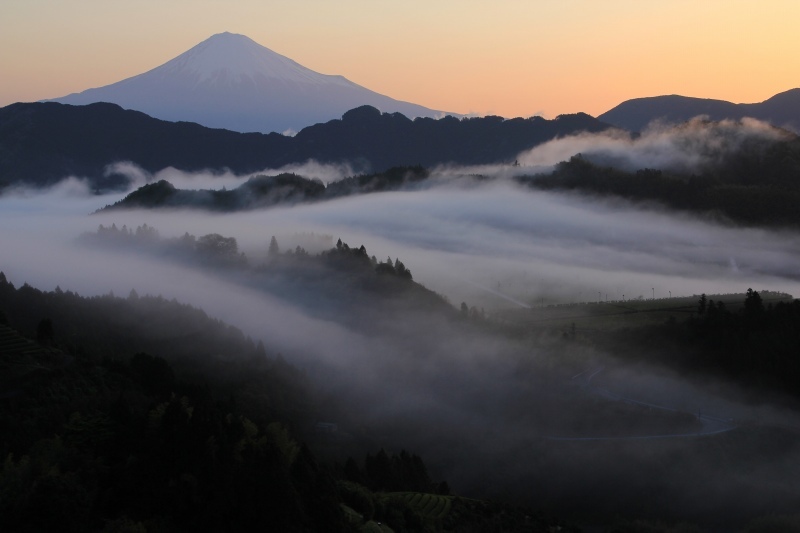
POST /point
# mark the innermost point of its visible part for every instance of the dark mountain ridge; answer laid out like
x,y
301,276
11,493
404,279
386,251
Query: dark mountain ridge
x,y
42,143
782,110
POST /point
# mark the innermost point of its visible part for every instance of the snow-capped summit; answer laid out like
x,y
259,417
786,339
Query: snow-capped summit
x,y
230,81
232,58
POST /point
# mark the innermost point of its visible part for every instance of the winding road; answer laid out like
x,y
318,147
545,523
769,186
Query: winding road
x,y
711,425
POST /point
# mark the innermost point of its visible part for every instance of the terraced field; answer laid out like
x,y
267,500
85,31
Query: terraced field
x,y
22,359
431,506
14,344
455,513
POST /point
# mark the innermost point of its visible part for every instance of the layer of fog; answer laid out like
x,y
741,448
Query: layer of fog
x,y
217,180
493,246
688,147
468,243
454,397
531,245
691,147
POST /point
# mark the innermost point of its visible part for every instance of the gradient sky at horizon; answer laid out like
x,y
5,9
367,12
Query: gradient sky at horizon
x,y
508,57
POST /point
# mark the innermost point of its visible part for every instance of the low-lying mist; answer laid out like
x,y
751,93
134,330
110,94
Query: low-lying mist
x,y
689,147
480,406
472,243
216,180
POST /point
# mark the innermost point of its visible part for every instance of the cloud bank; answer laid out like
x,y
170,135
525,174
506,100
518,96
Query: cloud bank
x,y
688,147
216,180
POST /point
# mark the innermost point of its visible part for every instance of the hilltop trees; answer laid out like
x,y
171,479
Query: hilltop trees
x,y
216,249
754,344
753,307
702,304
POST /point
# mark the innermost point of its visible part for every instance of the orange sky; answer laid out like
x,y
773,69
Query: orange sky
x,y
506,57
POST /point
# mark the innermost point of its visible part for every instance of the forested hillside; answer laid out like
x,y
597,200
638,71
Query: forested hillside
x,y
754,344
759,185
200,431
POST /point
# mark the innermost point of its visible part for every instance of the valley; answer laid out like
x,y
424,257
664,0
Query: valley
x,y
238,294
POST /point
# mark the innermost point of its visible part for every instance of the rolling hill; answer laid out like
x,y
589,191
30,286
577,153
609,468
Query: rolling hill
x,y
782,110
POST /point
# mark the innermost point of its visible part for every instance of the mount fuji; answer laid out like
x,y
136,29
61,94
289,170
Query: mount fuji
x,y
229,81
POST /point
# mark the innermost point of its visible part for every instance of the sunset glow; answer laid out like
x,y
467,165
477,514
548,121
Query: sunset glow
x,y
510,58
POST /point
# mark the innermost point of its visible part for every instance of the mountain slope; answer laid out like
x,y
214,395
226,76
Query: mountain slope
x,y
41,143
782,110
230,81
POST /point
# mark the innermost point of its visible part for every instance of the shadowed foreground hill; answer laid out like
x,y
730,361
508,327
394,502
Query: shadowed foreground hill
x,y
200,434
113,438
42,143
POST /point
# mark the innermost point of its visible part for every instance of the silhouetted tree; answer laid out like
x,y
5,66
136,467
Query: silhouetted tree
x,y
274,250
753,305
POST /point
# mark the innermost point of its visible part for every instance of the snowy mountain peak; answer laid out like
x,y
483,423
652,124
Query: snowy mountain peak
x,y
233,58
230,81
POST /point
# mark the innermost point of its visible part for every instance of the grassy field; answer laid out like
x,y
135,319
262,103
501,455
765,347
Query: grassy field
x,y
609,315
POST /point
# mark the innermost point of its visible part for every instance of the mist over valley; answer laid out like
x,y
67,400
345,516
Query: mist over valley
x,y
396,323
482,393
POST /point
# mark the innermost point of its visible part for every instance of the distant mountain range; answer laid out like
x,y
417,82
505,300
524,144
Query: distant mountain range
x,y
42,143
230,81
782,110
